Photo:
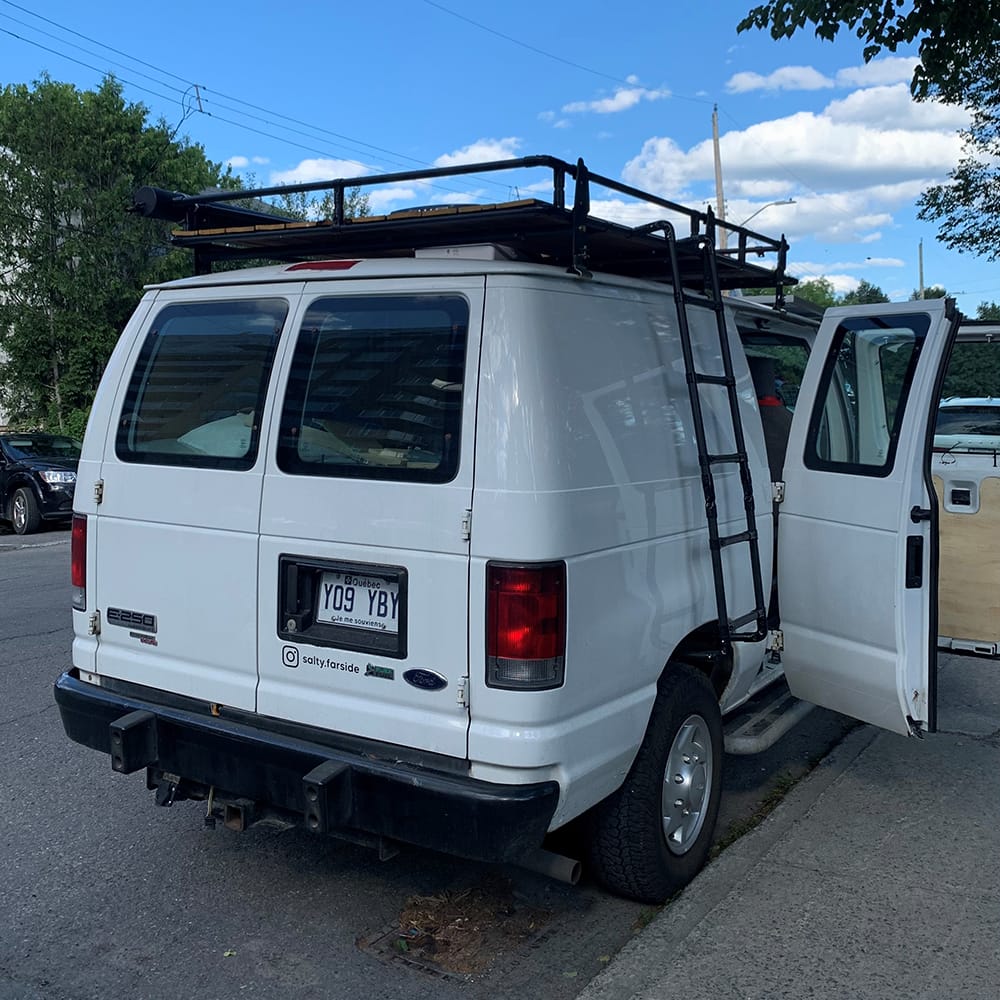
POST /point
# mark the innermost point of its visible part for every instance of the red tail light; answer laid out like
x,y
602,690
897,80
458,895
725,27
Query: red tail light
x,y
525,626
78,561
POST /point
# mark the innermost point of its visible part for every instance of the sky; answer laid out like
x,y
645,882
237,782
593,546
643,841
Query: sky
x,y
814,143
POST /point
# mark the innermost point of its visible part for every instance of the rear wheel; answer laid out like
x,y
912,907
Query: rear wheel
x,y
24,511
651,836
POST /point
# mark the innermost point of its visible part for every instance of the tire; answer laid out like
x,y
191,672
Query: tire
x,y
651,837
24,513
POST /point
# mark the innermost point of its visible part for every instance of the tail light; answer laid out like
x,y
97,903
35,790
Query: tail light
x,y
525,626
78,561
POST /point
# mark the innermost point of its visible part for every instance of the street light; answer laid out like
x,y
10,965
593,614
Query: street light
x,y
770,204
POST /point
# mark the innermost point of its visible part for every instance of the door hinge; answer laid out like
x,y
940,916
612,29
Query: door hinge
x,y
94,623
99,491
467,525
776,640
462,694
777,492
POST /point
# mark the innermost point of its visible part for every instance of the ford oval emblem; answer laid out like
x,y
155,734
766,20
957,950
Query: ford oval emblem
x,y
426,680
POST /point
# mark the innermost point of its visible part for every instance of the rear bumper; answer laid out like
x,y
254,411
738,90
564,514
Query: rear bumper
x,y
295,771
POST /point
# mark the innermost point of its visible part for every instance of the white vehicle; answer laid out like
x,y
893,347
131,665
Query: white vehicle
x,y
456,526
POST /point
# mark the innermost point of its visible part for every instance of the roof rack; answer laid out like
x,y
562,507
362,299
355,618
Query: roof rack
x,y
551,232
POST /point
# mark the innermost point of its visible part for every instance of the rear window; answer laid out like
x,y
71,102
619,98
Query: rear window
x,y
375,389
969,420
198,388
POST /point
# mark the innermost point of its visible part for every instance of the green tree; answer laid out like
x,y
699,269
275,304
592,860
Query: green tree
x,y
72,259
819,291
932,292
988,311
866,293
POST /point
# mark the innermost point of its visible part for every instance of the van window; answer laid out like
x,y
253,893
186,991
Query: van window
x,y
855,424
375,389
198,388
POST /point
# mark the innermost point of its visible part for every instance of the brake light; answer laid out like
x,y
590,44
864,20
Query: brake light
x,y
78,561
525,626
322,265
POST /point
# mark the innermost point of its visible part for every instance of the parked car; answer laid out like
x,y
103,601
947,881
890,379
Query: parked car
x,y
968,424
37,479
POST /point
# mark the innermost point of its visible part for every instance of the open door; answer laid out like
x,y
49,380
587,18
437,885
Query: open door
x,y
857,552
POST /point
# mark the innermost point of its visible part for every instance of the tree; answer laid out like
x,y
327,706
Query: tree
x,y
988,311
72,259
958,39
866,293
933,292
819,291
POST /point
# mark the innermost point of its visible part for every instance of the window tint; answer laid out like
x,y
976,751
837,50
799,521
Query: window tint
x,y
375,389
198,388
859,408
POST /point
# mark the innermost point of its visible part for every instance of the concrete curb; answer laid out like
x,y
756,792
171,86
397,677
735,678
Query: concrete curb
x,y
639,964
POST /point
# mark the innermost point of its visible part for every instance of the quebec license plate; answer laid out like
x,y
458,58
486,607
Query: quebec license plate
x,y
358,601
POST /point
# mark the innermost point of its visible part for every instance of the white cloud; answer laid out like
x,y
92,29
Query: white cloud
x,y
238,162
849,167
882,104
319,170
382,200
621,100
480,151
785,78
892,69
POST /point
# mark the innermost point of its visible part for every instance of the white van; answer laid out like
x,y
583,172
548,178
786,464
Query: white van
x,y
455,526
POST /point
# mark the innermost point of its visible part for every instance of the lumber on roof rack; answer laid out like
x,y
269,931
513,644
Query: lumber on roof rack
x,y
546,231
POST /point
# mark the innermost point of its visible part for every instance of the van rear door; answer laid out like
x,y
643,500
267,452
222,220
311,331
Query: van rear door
x,y
857,530
176,531
364,549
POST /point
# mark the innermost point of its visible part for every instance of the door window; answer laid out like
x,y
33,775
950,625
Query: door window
x,y
859,408
375,390
198,388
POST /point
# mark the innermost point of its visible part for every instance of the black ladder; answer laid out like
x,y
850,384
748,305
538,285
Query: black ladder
x,y
703,245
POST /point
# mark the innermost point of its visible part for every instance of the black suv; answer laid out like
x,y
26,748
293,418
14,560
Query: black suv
x,y
37,479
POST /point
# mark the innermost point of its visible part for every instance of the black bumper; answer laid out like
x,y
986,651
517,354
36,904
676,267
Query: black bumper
x,y
295,771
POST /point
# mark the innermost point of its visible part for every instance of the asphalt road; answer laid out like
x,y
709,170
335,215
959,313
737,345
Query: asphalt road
x,y
104,895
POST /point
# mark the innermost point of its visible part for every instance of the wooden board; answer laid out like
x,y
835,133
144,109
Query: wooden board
x,y
969,579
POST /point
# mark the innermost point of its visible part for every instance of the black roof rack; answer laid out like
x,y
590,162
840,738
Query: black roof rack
x,y
551,232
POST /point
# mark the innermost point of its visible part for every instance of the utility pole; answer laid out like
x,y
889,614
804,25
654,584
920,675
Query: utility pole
x,y
920,257
720,198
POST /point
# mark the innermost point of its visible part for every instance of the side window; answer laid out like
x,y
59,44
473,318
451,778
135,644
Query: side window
x,y
375,389
858,412
198,388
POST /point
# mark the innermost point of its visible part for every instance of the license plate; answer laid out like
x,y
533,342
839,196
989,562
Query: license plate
x,y
358,601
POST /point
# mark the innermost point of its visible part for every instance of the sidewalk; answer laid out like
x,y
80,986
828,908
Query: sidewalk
x,y
877,877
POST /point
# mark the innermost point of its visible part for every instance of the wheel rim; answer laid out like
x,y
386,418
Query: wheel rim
x,y
687,784
20,511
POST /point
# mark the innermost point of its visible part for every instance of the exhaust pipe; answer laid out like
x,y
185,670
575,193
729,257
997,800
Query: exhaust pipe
x,y
556,866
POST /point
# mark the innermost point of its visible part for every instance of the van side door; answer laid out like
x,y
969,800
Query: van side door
x,y
857,530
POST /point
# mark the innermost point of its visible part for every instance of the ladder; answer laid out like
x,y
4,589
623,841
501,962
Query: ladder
x,y
731,629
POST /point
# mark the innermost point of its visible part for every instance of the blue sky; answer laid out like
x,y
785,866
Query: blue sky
x,y
305,91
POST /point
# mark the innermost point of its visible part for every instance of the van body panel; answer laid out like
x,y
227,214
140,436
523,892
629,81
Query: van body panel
x,y
411,529
175,545
586,453
857,565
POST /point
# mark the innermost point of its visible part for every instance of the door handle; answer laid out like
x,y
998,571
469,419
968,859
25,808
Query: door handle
x,y
914,562
918,514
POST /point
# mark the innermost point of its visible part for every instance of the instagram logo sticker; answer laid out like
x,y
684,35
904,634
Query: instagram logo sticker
x,y
290,656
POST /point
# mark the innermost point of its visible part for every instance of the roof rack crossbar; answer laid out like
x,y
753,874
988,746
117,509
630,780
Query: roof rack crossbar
x,y
545,231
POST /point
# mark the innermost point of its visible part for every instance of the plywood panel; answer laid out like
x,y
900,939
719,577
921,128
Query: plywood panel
x,y
969,580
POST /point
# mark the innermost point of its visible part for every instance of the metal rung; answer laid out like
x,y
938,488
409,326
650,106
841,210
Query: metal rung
x,y
725,459
750,616
743,536
703,379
